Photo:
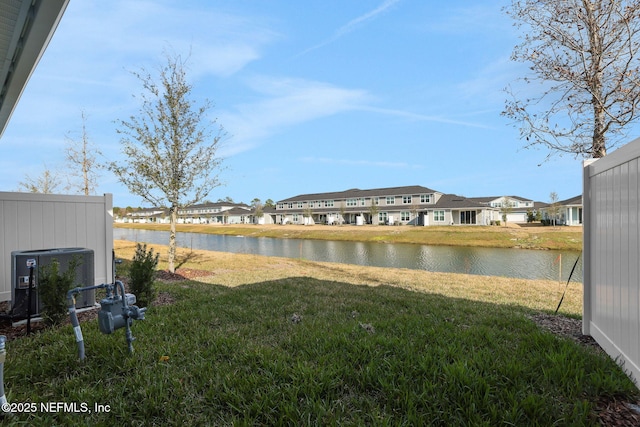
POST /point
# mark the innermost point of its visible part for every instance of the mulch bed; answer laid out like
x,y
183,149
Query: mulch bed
x,y
181,274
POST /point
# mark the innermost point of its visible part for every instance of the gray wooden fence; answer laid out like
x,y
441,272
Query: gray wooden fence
x,y
611,249
44,221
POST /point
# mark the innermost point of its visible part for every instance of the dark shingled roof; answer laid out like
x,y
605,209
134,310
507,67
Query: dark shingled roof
x,y
355,193
577,200
452,201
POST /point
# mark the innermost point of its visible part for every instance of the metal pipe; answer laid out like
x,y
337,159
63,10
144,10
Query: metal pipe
x,y
29,299
125,305
71,305
3,355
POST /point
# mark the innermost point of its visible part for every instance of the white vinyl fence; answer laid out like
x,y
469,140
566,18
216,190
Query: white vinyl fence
x,y
44,221
611,248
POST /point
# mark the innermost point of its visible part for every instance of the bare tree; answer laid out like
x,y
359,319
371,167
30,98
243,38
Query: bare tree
x,y
584,55
506,207
170,148
81,157
258,208
47,183
554,207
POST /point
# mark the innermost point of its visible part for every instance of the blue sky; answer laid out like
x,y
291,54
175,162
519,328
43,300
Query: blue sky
x,y
315,96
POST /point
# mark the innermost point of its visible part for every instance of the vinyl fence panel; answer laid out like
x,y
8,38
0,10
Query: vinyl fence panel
x,y
611,198
45,221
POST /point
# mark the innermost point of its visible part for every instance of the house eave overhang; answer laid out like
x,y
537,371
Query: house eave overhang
x,y
26,27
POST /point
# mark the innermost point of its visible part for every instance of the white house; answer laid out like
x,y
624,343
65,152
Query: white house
x,y
516,207
567,212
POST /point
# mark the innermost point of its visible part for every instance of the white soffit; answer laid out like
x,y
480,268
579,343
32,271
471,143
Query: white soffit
x,y
26,26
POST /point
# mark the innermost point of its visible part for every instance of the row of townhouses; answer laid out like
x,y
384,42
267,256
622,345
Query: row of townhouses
x,y
409,205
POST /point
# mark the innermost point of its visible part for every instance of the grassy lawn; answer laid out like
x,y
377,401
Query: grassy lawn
x,y
274,341
511,236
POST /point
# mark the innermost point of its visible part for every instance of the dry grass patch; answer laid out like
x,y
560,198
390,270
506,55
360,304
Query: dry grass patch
x,y
242,269
511,236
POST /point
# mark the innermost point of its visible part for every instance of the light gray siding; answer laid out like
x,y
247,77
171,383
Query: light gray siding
x,y
44,221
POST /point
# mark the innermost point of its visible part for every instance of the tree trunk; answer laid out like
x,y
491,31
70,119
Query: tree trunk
x,y
172,239
598,147
596,50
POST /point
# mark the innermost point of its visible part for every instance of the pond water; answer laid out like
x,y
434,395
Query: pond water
x,y
520,263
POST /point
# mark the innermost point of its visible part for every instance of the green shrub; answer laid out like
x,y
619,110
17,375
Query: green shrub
x,y
142,275
52,289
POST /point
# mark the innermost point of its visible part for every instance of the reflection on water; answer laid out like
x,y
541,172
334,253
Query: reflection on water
x,y
522,263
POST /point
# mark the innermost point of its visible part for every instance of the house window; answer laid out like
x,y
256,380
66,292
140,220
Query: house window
x,y
425,198
328,203
391,200
280,205
438,216
406,200
405,216
295,217
467,217
376,201
382,217
299,204
311,204
351,202
290,205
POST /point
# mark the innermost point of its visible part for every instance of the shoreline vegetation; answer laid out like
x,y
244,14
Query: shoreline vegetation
x,y
234,270
529,236
242,269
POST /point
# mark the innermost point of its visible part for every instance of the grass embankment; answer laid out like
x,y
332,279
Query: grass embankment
x,y
274,341
511,236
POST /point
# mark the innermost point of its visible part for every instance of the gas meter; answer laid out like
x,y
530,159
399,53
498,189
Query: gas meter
x,y
118,311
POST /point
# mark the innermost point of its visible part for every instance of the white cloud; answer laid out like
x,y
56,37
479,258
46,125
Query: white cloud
x,y
353,24
99,39
483,16
286,102
427,118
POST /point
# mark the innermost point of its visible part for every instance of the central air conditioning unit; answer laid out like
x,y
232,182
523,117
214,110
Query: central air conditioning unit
x,y
20,271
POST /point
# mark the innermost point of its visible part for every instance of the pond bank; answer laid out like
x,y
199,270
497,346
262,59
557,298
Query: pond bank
x,y
511,236
230,269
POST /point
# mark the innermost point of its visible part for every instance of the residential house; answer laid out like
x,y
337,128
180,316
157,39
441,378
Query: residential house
x,y
143,216
267,216
515,207
457,210
205,213
571,210
567,212
215,213
414,205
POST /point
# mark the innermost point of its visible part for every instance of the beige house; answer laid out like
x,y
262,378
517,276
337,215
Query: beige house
x,y
414,205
